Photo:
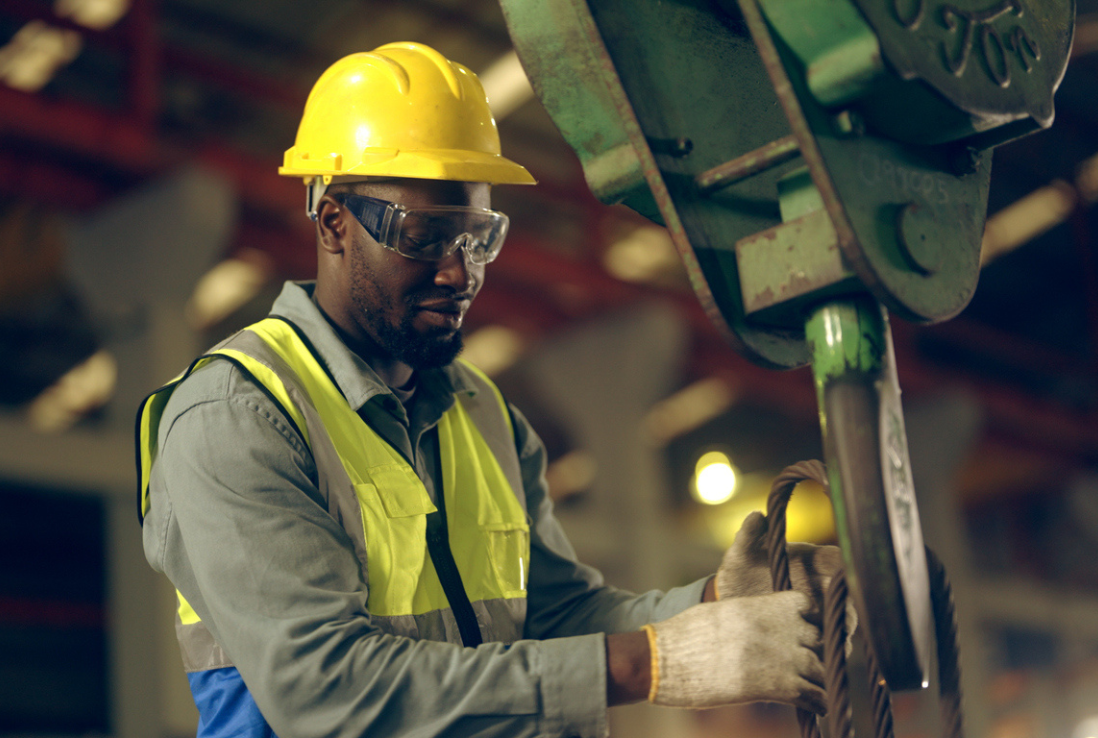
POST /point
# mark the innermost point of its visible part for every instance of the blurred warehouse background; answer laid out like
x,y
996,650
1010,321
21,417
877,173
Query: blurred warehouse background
x,y
141,219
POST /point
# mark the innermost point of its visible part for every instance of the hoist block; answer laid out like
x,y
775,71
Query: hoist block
x,y
811,159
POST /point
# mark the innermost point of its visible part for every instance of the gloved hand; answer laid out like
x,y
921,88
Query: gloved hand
x,y
748,649
745,571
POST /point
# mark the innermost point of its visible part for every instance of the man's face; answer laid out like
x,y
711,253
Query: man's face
x,y
414,309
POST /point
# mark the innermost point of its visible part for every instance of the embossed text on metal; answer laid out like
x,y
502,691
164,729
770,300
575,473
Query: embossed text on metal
x,y
996,59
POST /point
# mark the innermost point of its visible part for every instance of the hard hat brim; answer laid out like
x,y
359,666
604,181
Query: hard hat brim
x,y
442,164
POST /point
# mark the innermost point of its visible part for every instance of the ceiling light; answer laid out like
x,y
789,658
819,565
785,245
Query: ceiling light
x,y
34,54
644,255
506,85
572,473
1022,221
1086,180
714,478
809,516
97,14
1087,728
493,348
687,409
84,388
226,288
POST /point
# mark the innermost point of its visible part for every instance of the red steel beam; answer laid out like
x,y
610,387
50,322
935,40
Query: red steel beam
x,y
129,143
79,129
144,64
25,177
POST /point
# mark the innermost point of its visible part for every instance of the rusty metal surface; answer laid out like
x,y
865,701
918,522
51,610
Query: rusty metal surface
x,y
546,31
864,180
997,60
876,516
673,61
796,259
598,119
620,129
772,154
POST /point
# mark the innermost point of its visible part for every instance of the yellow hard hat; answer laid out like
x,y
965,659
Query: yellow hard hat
x,y
401,110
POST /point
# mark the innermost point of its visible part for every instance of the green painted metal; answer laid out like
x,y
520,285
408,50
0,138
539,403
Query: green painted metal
x,y
588,114
804,153
797,195
865,179
872,495
835,46
787,267
662,71
621,78
846,338
992,67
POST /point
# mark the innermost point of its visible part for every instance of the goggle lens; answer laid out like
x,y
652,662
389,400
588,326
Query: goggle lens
x,y
431,233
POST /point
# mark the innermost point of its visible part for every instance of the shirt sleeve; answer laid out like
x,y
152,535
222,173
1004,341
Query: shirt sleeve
x,y
239,526
566,597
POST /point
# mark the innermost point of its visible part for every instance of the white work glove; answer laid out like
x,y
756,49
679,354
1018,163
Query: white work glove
x,y
749,649
745,571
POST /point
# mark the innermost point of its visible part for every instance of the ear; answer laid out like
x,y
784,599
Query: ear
x,y
331,225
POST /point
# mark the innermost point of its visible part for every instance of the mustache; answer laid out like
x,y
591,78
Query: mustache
x,y
437,293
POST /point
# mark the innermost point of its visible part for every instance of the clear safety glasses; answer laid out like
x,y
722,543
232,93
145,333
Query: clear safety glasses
x,y
430,233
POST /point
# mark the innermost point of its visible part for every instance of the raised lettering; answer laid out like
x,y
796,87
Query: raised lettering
x,y
999,68
911,21
966,24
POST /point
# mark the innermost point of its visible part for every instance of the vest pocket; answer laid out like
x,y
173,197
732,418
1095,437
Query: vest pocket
x,y
402,493
509,552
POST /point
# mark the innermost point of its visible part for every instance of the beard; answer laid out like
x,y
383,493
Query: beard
x,y
402,341
417,350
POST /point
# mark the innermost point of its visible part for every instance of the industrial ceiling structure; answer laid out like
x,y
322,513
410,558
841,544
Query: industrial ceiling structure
x,y
139,143
100,99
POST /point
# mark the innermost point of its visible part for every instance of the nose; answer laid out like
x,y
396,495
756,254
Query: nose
x,y
456,270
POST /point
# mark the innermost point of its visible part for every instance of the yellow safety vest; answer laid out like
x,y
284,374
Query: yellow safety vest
x,y
379,498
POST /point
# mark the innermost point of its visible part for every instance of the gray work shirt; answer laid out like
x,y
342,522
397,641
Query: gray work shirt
x,y
239,527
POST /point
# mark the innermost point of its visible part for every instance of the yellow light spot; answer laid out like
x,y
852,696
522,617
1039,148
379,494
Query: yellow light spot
x,y
227,287
97,14
644,255
1026,219
689,408
84,388
494,348
714,478
34,55
1087,728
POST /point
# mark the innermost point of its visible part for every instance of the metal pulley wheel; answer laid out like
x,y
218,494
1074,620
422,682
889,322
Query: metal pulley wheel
x,y
876,514
804,155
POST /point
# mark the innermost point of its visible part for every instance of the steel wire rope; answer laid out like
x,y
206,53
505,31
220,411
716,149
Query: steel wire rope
x,y
835,630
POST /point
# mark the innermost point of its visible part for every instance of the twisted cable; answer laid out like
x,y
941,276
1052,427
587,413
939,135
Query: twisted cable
x,y
945,633
776,504
838,709
835,635
880,695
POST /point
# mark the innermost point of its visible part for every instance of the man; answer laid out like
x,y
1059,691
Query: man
x,y
358,525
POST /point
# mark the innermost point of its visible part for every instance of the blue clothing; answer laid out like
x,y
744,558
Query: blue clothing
x,y
225,706
238,524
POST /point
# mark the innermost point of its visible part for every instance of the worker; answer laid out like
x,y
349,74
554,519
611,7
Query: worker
x,y
357,522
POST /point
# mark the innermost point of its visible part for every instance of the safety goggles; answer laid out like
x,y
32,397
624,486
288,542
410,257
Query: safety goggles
x,y
429,233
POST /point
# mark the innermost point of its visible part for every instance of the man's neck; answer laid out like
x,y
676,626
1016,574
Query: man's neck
x,y
390,370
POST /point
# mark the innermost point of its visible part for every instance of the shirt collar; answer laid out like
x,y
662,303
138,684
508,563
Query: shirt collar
x,y
356,379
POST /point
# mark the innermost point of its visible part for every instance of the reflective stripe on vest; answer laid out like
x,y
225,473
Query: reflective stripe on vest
x,y
374,492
